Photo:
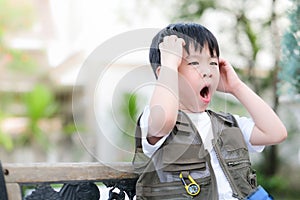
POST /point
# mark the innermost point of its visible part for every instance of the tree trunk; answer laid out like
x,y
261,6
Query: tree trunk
x,y
271,165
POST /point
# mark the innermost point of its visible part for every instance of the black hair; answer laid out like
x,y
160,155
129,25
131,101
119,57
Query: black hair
x,y
192,33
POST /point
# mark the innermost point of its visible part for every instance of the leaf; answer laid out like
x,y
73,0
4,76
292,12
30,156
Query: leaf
x,y
6,141
40,103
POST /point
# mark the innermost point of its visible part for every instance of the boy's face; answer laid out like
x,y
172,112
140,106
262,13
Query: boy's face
x,y
198,79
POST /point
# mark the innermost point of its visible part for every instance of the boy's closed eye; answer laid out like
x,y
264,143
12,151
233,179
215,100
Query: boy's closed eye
x,y
213,63
193,63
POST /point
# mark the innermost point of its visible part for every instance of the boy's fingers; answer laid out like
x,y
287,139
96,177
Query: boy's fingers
x,y
222,62
160,46
177,39
173,39
182,41
224,65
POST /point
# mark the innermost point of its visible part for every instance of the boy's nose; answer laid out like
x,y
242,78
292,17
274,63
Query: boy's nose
x,y
206,73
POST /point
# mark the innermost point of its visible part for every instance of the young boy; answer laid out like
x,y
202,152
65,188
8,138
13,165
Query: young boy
x,y
183,150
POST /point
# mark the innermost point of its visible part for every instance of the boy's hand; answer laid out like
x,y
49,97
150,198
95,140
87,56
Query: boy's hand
x,y
164,103
171,50
229,80
261,113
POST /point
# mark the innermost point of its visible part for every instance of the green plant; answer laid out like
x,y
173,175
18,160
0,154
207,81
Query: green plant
x,y
40,103
5,139
15,16
274,184
129,111
20,61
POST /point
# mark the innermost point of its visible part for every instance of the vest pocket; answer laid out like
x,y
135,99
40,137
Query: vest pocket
x,y
182,157
233,147
174,190
185,167
243,175
177,158
233,139
234,151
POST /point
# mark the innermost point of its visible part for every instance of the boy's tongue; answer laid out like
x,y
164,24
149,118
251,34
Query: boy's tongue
x,y
205,94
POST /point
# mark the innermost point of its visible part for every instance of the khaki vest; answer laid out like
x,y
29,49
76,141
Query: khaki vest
x,y
183,153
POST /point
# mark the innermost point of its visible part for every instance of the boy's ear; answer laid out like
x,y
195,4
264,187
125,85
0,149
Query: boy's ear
x,y
157,71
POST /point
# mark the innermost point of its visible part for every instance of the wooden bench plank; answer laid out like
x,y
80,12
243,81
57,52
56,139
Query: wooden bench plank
x,y
63,172
14,191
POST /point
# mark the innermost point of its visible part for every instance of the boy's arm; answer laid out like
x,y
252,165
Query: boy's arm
x,y
268,128
164,101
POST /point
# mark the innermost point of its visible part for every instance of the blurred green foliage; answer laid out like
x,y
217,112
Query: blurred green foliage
x,y
129,107
20,61
5,140
34,106
193,9
290,61
40,104
15,16
278,186
272,184
129,112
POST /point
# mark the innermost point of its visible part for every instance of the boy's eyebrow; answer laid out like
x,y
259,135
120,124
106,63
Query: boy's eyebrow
x,y
195,56
190,56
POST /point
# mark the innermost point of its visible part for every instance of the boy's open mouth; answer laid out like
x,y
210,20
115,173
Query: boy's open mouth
x,y
205,94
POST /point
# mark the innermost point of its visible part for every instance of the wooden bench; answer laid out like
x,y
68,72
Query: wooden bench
x,y
71,175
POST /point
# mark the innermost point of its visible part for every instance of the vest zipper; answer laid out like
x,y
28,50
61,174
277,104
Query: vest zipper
x,y
235,191
207,157
226,173
234,163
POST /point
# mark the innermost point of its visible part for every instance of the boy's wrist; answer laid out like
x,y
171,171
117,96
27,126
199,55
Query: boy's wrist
x,y
238,89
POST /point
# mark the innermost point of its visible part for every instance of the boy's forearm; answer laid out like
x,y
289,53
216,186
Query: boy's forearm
x,y
268,127
164,103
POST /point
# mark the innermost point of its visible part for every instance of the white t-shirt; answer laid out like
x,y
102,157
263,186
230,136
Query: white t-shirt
x,y
203,123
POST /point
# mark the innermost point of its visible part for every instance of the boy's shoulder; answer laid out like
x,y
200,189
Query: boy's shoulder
x,y
182,117
223,116
226,117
